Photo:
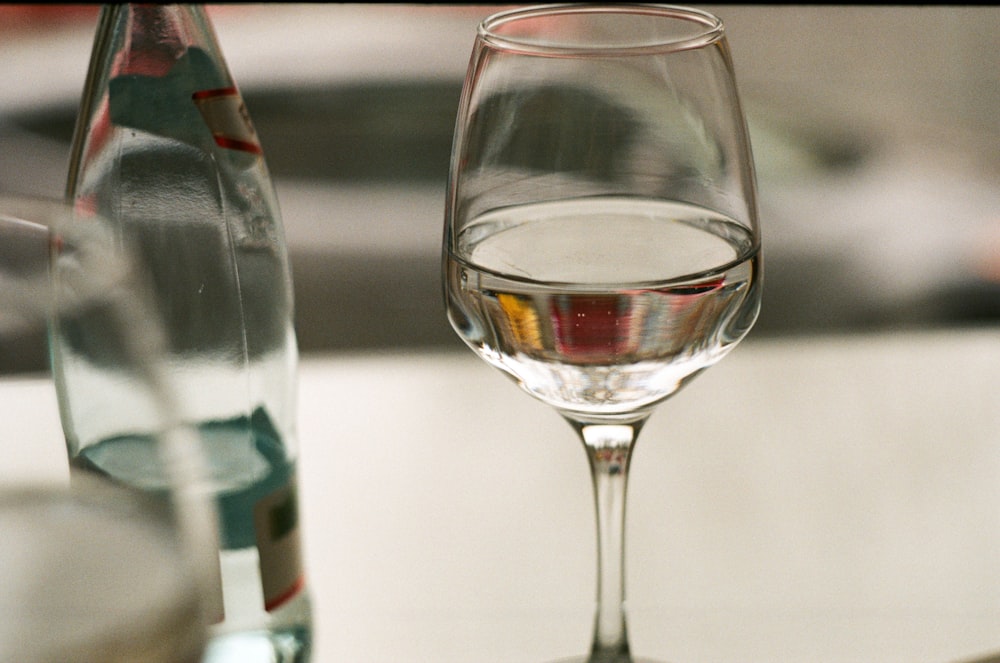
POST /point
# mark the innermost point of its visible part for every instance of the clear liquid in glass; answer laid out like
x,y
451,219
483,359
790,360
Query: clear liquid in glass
x,y
603,306
92,575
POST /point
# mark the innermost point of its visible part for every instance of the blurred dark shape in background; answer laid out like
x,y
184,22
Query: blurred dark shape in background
x,y
875,132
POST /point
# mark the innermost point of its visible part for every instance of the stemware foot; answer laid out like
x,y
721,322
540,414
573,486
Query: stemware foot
x,y
591,659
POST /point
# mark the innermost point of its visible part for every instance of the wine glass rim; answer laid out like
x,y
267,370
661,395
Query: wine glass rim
x,y
707,29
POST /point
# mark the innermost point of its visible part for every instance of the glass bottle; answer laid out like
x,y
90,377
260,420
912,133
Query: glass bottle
x,y
165,149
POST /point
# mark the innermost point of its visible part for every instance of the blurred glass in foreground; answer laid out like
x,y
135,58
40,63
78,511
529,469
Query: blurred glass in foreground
x,y
92,571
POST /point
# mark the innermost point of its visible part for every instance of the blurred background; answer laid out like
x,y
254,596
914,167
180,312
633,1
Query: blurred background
x,y
876,133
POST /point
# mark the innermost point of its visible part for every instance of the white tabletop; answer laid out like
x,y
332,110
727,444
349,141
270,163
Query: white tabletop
x,y
823,500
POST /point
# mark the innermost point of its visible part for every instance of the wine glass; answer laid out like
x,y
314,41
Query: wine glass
x,y
601,242
92,570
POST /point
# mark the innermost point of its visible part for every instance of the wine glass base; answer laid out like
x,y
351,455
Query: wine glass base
x,y
587,659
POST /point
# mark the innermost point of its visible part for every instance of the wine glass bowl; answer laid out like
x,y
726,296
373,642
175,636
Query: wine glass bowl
x,y
601,243
601,213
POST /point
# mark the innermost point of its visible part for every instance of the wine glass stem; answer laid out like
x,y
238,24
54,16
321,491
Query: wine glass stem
x,y
609,450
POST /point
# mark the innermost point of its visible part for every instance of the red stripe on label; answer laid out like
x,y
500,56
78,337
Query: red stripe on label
x,y
218,92
233,144
287,595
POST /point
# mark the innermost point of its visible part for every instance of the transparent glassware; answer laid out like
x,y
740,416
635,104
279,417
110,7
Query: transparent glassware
x,y
166,151
93,571
601,243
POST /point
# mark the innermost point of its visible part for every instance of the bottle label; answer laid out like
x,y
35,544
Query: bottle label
x,y
227,118
276,523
